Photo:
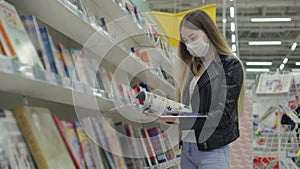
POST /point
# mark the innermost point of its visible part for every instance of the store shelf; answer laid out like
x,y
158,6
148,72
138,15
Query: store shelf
x,y
128,31
31,82
91,37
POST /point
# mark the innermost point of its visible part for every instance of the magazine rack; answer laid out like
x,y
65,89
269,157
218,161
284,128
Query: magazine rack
x,y
278,145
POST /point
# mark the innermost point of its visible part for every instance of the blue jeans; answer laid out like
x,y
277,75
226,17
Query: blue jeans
x,y
192,158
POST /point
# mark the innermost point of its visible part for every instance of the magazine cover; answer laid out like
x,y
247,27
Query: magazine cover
x,y
273,84
158,104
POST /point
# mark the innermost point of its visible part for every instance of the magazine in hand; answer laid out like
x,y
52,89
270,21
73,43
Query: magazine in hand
x,y
162,105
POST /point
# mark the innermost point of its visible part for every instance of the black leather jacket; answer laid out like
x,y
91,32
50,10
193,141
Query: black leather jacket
x,y
216,95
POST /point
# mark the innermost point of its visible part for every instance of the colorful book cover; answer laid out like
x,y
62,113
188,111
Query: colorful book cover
x,y
14,152
32,28
47,44
114,144
125,143
68,62
169,149
16,37
149,146
43,138
80,66
85,146
135,151
155,140
59,60
95,148
67,132
139,146
103,140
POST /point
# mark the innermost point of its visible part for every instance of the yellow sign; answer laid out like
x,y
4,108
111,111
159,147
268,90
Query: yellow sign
x,y
170,22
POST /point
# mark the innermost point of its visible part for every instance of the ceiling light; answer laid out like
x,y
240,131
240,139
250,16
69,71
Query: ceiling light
x,y
224,20
233,38
232,12
285,60
233,47
281,66
232,26
270,19
257,70
259,63
294,46
264,42
297,63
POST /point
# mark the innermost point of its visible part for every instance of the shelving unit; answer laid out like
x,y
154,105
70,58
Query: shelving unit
x,y
111,51
107,48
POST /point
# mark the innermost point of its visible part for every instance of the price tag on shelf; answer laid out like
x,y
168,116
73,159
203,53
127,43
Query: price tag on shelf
x,y
51,78
6,66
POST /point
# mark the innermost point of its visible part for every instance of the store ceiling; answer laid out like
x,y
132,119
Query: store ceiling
x,y
286,32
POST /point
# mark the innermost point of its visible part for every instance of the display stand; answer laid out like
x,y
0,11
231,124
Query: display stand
x,y
274,146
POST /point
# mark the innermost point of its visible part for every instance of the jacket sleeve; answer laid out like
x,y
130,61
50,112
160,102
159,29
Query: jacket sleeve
x,y
225,93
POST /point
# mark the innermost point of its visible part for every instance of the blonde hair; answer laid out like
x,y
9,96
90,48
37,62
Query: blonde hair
x,y
195,20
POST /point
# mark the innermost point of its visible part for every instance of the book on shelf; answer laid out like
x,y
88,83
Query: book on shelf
x,y
32,28
146,139
68,134
101,21
97,155
114,144
59,60
119,126
80,66
85,145
40,132
68,62
139,146
14,152
156,143
16,38
49,48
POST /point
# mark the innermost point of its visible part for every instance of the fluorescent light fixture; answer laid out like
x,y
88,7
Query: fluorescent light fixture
x,y
232,26
285,60
232,12
281,66
257,70
270,19
259,63
233,38
297,63
233,47
294,46
264,42
224,20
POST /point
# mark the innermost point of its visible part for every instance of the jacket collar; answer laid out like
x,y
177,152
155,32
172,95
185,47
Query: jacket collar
x,y
213,71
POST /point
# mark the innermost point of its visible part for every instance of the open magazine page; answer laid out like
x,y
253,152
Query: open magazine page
x,y
163,106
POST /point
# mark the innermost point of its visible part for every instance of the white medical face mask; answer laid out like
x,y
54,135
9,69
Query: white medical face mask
x,y
198,48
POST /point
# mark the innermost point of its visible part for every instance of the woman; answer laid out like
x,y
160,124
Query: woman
x,y
211,82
